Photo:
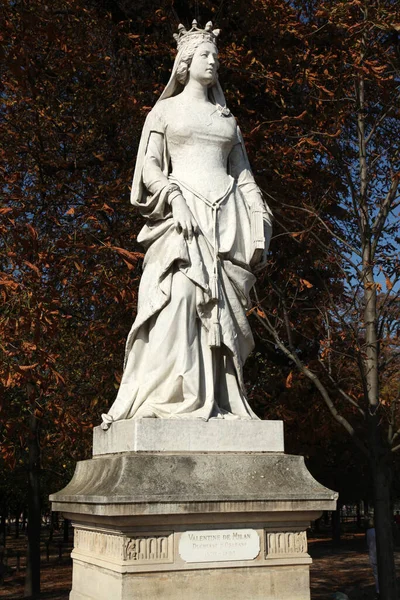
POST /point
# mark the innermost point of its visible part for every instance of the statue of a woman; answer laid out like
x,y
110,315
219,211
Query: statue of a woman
x,y
207,225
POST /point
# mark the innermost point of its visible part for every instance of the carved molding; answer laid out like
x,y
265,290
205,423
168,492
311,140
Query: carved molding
x,y
280,543
138,549
99,543
149,549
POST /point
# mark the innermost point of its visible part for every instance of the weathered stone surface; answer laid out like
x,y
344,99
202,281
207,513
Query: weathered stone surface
x,y
168,435
167,483
240,583
114,562
133,515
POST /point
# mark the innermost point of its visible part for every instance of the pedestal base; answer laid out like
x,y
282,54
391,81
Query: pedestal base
x,y
243,583
217,435
192,525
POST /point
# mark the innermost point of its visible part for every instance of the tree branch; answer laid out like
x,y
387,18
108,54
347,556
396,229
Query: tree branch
x,y
383,213
315,380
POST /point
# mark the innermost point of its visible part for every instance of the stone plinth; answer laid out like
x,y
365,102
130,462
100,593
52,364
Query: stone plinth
x,y
216,435
193,524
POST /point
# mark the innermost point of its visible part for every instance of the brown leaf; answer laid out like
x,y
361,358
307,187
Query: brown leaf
x,y
289,380
306,283
389,284
33,267
32,231
131,257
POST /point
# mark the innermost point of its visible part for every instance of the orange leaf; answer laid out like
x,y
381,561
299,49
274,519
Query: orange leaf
x,y
389,284
33,267
131,257
306,283
289,380
33,231
59,377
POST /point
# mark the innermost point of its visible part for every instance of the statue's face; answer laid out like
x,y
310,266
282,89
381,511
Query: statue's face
x,y
204,65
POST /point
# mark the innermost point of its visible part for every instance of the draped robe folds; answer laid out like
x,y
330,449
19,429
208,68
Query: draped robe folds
x,y
171,369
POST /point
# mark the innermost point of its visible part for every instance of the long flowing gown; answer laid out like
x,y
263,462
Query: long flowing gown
x,y
175,367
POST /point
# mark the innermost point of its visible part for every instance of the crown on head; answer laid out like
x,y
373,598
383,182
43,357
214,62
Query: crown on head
x,y
208,34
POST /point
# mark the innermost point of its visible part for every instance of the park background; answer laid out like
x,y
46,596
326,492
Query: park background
x,y
315,88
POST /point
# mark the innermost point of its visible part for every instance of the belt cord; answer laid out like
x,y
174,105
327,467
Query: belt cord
x,y
214,334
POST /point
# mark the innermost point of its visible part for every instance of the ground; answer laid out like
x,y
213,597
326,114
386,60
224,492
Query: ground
x,y
343,568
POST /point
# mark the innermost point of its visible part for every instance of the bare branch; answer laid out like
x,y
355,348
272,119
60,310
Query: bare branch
x,y
378,122
315,380
383,213
341,391
333,233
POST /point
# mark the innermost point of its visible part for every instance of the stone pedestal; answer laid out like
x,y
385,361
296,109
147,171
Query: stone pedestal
x,y
187,510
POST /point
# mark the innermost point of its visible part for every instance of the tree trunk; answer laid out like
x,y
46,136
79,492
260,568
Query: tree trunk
x,y
317,525
336,525
17,515
381,464
4,526
32,578
66,530
359,523
366,509
51,529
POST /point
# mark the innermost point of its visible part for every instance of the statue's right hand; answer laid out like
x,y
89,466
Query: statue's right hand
x,y
183,218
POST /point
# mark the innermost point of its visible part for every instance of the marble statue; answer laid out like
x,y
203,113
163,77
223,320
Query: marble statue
x,y
207,228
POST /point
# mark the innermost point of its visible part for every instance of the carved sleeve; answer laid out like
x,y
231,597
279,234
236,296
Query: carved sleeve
x,y
261,216
239,169
153,177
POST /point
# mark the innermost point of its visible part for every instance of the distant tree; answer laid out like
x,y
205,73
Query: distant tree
x,y
341,332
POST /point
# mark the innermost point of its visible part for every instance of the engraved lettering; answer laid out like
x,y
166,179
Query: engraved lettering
x,y
219,545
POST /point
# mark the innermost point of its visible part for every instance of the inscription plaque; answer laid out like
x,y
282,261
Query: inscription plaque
x,y
216,545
